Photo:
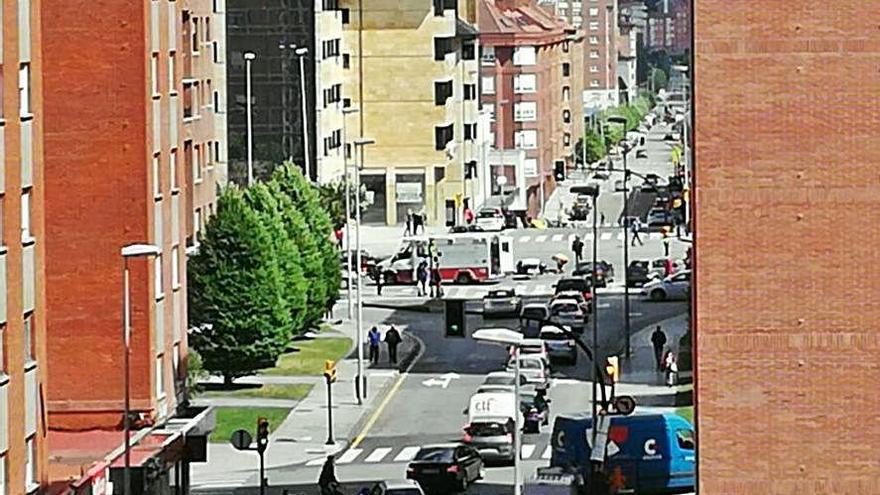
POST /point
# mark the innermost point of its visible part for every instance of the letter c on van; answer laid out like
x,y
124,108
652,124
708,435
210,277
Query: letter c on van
x,y
651,446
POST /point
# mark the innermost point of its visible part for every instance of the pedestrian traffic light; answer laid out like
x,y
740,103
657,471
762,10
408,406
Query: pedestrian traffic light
x,y
612,370
262,434
455,318
330,370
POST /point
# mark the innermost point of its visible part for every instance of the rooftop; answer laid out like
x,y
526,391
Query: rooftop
x,y
519,18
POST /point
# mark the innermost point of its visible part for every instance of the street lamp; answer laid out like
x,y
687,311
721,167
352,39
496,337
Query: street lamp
x,y
248,58
508,337
345,113
286,50
301,53
129,251
625,226
359,146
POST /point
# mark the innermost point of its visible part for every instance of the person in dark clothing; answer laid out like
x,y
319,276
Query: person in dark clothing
x,y
422,278
577,245
658,340
409,223
636,227
379,282
374,338
436,279
392,339
327,479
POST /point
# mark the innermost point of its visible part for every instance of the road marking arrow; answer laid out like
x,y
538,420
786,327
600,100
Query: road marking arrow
x,y
441,381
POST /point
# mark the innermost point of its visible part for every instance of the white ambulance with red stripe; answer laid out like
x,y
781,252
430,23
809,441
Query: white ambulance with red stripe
x,y
462,258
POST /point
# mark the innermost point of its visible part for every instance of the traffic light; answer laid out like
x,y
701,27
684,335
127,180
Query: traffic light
x,y
612,370
559,171
262,434
455,318
330,371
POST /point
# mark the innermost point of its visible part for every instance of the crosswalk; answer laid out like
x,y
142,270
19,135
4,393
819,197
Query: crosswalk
x,y
475,292
603,236
403,454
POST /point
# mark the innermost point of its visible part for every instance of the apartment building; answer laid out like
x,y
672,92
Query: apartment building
x,y
23,361
669,27
413,74
799,367
219,101
274,31
130,153
529,84
597,21
627,55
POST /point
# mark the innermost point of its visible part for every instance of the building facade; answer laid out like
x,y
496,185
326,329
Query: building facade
x,y
274,31
413,75
669,28
529,84
778,384
23,360
130,157
627,55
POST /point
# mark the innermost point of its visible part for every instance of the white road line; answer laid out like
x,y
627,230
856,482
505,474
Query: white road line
x,y
556,238
349,456
655,235
541,238
525,239
571,237
317,462
606,236
378,454
407,454
620,236
547,452
527,450
588,236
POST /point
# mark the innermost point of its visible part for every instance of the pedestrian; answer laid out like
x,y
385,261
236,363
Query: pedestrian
x,y
671,367
602,217
666,241
577,245
379,281
327,479
468,215
408,230
636,227
392,339
436,279
374,338
658,340
339,234
422,278
419,221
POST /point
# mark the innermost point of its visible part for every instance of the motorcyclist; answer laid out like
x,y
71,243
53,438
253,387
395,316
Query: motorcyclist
x,y
541,402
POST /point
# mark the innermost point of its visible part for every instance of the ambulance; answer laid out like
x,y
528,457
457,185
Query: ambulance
x,y
463,258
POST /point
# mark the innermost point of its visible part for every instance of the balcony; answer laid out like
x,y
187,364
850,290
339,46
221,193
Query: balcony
x,y
3,285
30,401
159,326
175,219
2,155
28,277
177,310
157,125
24,30
27,151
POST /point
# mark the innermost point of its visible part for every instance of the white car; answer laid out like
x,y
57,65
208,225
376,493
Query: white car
x,y
490,219
533,368
503,378
397,487
533,347
675,286
570,313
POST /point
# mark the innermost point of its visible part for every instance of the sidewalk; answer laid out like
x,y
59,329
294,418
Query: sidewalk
x,y
303,434
383,240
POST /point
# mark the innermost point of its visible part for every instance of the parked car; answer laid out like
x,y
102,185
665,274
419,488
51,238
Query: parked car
x,y
501,302
533,368
675,286
604,272
444,467
530,267
659,219
585,305
397,487
491,219
559,345
568,312
503,378
530,318
658,268
638,273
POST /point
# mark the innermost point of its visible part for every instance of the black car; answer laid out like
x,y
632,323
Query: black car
x,y
579,284
445,467
604,271
638,272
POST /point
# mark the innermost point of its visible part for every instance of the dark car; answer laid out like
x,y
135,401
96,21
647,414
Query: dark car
x,y
604,272
638,273
579,284
445,467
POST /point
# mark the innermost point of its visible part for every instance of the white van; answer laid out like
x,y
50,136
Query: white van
x,y
492,424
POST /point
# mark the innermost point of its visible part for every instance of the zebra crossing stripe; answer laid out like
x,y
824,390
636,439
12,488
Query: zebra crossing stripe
x,y
378,454
349,456
547,451
571,237
406,454
620,236
655,235
525,239
316,462
588,236
556,238
541,238
606,236
527,451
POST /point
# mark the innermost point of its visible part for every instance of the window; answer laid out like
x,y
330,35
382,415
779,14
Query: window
x,y
594,54
157,273
160,377
2,360
172,169
565,47
442,46
526,140
525,111
157,181
3,489
594,40
594,12
490,109
442,92
530,167
442,5
26,216
197,163
175,268
29,338
470,132
566,69
488,57
566,93
468,51
686,439
216,101
594,83
346,60
188,100
195,35
24,90
346,15
594,68
594,25
443,135
566,139
470,91
524,55
488,83
30,468
175,362
197,225
154,74
525,83
216,151
216,50
566,116
172,86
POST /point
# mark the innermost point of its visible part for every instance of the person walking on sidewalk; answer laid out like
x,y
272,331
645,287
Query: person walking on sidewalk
x,y
374,337
327,479
408,230
670,364
666,241
422,278
577,245
658,340
436,279
636,227
379,280
392,339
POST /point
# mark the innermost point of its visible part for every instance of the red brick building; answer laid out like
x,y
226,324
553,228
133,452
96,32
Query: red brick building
x,y
787,187
670,27
129,155
530,82
23,453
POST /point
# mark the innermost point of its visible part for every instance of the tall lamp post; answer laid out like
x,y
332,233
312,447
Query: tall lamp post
x,y
129,251
358,165
248,58
345,113
301,53
625,226
287,49
508,337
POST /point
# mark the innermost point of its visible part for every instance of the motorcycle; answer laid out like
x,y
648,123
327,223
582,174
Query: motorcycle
x,y
535,418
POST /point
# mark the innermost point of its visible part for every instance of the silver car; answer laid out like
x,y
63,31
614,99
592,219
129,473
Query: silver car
x,y
569,313
533,368
501,302
559,345
675,286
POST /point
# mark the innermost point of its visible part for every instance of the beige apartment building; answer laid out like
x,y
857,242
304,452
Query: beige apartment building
x,y
413,73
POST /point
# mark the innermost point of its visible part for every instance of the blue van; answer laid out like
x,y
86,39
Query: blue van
x,y
647,453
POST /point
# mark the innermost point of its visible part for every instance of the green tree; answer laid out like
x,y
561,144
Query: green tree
x,y
659,80
236,293
595,150
285,251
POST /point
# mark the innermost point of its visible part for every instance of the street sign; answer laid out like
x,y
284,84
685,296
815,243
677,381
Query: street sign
x,y
241,440
598,453
625,404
